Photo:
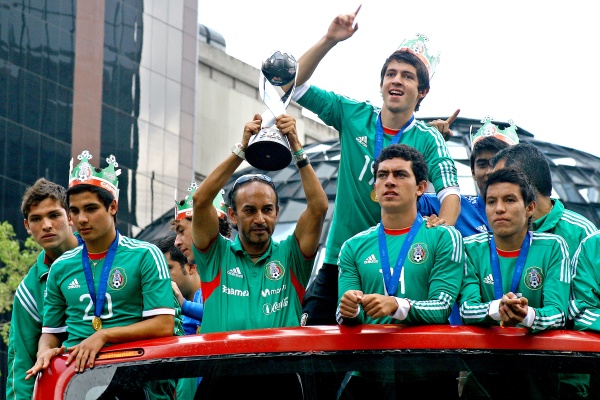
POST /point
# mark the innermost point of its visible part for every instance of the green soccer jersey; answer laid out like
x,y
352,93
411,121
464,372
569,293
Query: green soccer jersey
x,y
26,329
568,224
584,307
139,286
240,294
545,280
430,279
356,123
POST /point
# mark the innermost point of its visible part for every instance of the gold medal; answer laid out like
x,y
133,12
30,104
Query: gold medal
x,y
97,323
374,196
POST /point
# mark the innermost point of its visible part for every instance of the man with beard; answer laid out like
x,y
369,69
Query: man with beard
x,y
253,281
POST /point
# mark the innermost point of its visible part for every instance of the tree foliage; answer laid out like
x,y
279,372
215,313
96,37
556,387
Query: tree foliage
x,y
15,261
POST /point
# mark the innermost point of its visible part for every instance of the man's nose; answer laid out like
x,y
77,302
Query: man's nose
x,y
46,224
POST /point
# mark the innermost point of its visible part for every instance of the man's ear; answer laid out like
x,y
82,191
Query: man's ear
x,y
232,217
193,268
423,93
421,188
113,208
530,209
26,223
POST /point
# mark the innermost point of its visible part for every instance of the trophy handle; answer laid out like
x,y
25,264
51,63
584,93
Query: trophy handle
x,y
271,99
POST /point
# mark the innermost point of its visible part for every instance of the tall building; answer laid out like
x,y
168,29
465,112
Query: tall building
x,y
109,76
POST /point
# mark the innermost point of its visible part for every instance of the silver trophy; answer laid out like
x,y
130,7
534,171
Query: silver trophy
x,y
269,150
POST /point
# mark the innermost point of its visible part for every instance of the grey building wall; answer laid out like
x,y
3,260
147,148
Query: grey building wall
x,y
228,97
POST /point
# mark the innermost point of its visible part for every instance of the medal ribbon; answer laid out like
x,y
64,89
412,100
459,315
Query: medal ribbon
x,y
391,281
498,292
379,135
98,301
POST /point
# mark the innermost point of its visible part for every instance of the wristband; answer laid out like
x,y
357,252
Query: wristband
x,y
299,155
238,150
303,163
298,152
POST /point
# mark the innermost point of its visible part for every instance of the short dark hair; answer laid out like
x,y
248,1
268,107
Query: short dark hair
x,y
529,159
405,152
488,143
403,56
511,175
167,246
41,190
224,225
105,197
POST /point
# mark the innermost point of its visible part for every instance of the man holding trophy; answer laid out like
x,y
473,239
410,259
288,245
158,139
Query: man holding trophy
x,y
236,274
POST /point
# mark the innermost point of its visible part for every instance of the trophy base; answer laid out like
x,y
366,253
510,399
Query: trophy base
x,y
269,151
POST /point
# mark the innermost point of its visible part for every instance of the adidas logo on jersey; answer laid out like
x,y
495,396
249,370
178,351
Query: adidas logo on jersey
x,y
489,279
362,140
482,228
235,272
371,259
74,284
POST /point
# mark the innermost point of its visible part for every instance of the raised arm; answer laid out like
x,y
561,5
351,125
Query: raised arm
x,y
341,28
310,222
205,222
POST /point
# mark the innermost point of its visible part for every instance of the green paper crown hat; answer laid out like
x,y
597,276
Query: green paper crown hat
x,y
488,129
219,204
86,174
185,208
418,48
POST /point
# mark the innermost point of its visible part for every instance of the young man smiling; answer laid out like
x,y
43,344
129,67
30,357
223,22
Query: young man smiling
x,y
112,289
364,130
44,208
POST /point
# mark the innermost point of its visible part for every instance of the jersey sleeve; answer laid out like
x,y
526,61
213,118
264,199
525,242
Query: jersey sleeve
x,y
428,204
556,290
333,109
25,331
208,261
473,310
193,310
444,280
442,169
348,279
157,292
584,305
301,266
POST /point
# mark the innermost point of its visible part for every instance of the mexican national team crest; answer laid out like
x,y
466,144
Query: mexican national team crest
x,y
85,173
274,270
418,253
534,278
117,278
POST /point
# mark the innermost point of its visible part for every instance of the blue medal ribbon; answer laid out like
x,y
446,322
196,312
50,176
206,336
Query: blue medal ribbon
x,y
98,301
498,292
379,135
391,281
